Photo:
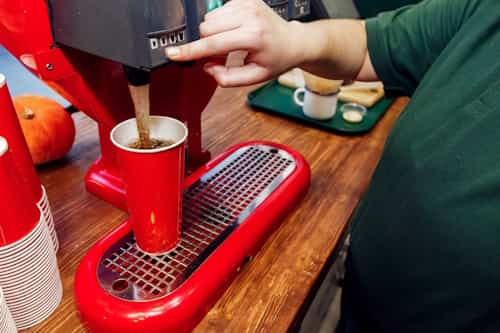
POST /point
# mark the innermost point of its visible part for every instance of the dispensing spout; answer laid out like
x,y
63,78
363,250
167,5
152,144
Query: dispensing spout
x,y
137,77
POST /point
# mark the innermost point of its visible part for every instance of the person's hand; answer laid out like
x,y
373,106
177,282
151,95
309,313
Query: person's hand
x,y
273,44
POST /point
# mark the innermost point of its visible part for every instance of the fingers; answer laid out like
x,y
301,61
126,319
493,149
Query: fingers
x,y
212,27
214,45
226,18
219,12
237,76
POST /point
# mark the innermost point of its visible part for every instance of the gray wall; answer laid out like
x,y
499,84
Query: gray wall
x,y
341,8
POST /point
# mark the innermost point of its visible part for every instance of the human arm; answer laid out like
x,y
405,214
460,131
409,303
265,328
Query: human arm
x,y
330,48
396,47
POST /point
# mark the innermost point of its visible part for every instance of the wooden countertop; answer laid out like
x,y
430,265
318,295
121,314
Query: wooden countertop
x,y
270,291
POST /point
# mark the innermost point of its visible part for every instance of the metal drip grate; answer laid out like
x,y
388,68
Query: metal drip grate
x,y
213,207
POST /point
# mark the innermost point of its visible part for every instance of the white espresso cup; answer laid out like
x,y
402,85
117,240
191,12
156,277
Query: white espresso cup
x,y
321,107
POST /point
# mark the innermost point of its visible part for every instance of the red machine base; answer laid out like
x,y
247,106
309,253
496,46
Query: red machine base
x,y
231,206
106,184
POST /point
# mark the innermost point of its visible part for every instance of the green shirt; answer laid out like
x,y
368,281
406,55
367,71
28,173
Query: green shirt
x,y
425,244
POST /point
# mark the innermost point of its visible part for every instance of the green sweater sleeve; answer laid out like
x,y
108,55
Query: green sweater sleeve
x,y
404,43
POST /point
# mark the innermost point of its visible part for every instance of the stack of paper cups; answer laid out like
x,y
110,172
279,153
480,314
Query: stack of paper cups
x,y
7,324
11,130
29,275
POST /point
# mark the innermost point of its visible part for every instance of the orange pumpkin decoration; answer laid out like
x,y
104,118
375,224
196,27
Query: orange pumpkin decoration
x,y
48,128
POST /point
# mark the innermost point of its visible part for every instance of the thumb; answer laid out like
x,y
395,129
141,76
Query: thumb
x,y
237,76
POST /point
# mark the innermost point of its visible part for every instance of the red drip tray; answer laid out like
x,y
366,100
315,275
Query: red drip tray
x,y
231,205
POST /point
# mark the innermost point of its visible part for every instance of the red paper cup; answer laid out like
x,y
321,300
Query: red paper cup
x,y
18,212
153,179
11,130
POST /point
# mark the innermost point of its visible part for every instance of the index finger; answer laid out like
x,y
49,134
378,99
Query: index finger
x,y
217,44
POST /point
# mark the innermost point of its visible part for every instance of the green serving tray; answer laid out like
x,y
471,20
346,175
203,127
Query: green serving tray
x,y
277,99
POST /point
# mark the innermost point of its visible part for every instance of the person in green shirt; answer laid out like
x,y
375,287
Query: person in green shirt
x,y
425,246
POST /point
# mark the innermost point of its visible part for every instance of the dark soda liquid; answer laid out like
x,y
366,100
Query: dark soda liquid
x,y
152,144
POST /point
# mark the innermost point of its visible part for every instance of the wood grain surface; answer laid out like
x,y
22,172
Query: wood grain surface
x,y
270,291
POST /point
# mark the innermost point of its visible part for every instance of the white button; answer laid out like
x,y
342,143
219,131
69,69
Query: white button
x,y
154,43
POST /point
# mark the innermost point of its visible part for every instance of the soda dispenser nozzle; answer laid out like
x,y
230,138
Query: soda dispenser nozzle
x,y
137,77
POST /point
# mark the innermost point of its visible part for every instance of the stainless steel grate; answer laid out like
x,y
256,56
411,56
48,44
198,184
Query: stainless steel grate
x,y
213,207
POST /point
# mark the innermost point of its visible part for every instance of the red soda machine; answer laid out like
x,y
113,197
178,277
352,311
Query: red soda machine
x,y
88,50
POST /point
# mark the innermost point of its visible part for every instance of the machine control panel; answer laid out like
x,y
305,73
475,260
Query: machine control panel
x,y
164,39
300,8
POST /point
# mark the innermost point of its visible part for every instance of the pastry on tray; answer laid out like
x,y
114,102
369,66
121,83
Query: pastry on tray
x,y
292,79
364,93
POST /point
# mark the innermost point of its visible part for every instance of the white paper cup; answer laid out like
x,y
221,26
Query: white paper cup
x,y
46,211
31,311
320,107
7,324
33,244
25,249
45,311
37,275
19,245
37,242
24,300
